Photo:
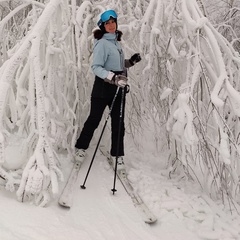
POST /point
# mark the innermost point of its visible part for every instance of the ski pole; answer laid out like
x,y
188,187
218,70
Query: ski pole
x,y
118,141
94,154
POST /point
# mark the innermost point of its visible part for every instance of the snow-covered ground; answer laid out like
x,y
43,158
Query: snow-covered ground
x,y
182,210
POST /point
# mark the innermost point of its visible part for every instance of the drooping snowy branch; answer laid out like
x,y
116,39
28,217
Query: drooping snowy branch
x,y
209,77
44,114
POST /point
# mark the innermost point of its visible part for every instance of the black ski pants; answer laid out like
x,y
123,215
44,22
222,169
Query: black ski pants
x,y
97,108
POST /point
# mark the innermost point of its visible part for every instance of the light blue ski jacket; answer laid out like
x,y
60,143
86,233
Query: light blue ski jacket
x,y
107,56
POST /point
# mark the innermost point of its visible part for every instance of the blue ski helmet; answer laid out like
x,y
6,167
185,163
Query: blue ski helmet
x,y
106,16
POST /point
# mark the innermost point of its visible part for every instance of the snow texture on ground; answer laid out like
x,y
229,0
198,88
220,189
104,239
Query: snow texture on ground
x,y
183,211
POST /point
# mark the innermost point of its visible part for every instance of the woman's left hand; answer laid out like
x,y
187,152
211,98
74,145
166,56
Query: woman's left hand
x,y
135,58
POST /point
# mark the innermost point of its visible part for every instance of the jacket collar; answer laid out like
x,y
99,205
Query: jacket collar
x,y
110,36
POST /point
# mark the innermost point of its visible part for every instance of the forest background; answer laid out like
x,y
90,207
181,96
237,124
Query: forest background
x,y
184,96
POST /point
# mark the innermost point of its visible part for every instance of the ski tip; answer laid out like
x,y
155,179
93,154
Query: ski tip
x,y
150,220
64,205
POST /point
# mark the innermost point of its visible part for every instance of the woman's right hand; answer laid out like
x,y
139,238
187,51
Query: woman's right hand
x,y
117,79
120,80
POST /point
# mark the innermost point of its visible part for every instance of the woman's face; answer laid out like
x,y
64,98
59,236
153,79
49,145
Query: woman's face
x,y
110,26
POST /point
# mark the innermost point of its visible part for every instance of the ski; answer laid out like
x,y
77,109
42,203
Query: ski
x,y
143,209
66,197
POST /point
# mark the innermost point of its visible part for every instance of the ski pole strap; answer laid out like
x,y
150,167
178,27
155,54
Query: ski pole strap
x,y
127,88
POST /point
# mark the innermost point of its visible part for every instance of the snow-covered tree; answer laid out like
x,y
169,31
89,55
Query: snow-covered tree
x,y
186,88
201,92
39,95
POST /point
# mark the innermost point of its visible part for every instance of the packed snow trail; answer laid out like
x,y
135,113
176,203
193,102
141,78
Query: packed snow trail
x,y
183,212
95,214
146,214
114,215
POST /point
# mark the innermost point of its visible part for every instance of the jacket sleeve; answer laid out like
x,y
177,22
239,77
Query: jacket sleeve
x,y
100,55
128,63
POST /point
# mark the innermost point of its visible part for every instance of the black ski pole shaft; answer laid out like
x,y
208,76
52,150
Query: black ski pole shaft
x,y
118,141
99,140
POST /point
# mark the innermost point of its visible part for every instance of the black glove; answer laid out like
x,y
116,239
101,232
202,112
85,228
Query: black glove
x,y
135,58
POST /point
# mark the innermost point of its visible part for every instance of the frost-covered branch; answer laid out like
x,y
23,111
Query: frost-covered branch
x,y
42,108
209,77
